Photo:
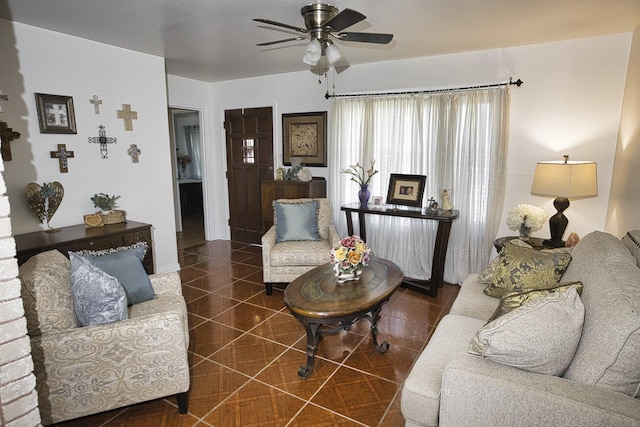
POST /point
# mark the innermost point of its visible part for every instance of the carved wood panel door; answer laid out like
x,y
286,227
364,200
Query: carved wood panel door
x,y
249,135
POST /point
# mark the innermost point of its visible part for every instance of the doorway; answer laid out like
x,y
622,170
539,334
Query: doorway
x,y
186,145
249,140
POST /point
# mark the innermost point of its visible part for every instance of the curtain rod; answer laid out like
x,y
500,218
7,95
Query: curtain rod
x,y
518,83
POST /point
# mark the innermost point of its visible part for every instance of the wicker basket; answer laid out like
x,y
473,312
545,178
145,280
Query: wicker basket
x,y
114,217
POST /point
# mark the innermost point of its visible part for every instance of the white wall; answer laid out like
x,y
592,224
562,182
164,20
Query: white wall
x,y
49,62
569,104
624,203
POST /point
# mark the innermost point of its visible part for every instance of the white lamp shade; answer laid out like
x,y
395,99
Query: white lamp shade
x,y
313,52
333,53
570,180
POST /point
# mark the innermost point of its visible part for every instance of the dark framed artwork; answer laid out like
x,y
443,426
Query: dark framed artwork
x,y
55,113
406,190
304,136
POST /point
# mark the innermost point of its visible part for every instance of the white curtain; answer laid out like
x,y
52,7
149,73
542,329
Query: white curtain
x,y
192,138
457,139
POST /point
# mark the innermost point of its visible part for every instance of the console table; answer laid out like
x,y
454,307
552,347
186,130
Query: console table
x,y
77,237
444,218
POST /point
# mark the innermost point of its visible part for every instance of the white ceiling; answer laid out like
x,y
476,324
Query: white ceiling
x,y
214,40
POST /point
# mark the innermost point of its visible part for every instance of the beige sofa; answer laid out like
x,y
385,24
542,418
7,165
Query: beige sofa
x,y
448,386
86,370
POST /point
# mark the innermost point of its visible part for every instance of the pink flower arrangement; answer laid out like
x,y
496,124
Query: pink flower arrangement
x,y
350,255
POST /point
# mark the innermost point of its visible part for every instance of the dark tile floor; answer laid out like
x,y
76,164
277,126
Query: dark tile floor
x,y
246,348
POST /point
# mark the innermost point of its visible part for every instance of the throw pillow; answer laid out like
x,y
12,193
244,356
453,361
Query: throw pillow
x,y
125,264
521,269
98,297
296,221
541,336
487,275
513,300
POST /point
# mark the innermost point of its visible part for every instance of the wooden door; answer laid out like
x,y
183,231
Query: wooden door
x,y
249,134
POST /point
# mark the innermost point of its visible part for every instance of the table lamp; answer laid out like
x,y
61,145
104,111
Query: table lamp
x,y
563,180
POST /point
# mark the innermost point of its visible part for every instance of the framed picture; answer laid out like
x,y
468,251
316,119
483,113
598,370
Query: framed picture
x,y
55,113
305,136
376,201
406,190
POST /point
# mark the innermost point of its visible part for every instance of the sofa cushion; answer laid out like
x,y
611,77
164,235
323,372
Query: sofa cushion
x,y
46,293
296,221
290,254
472,301
420,399
520,269
540,336
125,264
631,241
609,349
98,298
513,300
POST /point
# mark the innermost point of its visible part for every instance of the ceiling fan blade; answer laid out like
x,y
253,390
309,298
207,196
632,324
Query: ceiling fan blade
x,y
280,24
366,37
281,41
344,19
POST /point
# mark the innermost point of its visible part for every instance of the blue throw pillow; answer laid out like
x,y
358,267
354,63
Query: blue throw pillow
x,y
125,264
98,297
296,221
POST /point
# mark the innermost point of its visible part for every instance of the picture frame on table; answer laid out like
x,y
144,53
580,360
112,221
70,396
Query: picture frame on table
x,y
377,202
304,136
406,190
55,113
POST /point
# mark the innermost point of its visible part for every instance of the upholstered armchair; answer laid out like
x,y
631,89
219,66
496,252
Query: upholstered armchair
x,y
290,248
83,370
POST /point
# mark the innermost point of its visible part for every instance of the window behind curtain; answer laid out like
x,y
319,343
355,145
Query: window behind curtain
x,y
457,139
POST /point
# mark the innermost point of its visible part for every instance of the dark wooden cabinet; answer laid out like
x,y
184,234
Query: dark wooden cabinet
x,y
77,237
191,198
272,190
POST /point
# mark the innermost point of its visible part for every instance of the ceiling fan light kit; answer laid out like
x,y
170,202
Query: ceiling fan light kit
x,y
321,22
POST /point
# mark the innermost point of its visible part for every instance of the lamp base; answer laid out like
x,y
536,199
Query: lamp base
x,y
549,243
558,223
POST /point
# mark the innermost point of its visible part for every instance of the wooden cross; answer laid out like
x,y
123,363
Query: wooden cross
x,y
134,152
96,103
3,98
62,155
6,136
103,140
127,115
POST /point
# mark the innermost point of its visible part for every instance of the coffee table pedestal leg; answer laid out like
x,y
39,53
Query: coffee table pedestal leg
x,y
313,338
374,318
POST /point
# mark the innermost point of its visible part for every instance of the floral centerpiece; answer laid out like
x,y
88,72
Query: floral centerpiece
x,y
349,258
362,176
525,219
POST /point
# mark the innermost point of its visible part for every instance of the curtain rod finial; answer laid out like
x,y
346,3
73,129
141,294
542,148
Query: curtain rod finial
x,y
517,82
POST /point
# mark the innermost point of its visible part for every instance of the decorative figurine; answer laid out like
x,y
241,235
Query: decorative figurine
x,y
44,200
279,174
446,200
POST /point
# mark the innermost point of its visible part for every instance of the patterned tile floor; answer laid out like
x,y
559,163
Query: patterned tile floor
x,y
246,348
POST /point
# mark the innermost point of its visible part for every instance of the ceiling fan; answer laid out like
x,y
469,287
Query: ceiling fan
x,y
323,23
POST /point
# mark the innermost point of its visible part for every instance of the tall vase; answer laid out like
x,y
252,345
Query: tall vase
x,y
525,233
364,195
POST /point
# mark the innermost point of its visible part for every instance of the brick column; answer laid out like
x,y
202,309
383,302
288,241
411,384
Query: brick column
x,y
18,397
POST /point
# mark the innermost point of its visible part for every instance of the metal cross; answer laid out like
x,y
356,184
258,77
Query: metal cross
x,y
103,140
6,136
62,155
134,152
96,103
127,115
3,98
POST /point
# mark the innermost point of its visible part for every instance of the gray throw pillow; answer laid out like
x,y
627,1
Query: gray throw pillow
x,y
296,221
125,264
98,297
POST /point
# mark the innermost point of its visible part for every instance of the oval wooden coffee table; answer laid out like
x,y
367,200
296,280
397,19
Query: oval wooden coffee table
x,y
325,307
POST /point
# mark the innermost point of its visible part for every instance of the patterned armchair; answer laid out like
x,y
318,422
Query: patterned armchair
x,y
85,370
287,260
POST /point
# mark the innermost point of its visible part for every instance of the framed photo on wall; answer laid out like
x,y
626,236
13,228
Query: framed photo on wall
x,y
55,113
406,190
304,136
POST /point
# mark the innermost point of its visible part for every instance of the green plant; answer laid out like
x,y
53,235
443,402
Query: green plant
x,y
104,201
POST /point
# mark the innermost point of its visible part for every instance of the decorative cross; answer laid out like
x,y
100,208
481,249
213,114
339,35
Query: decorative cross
x,y
62,155
3,98
127,115
6,136
96,103
134,152
58,114
103,140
